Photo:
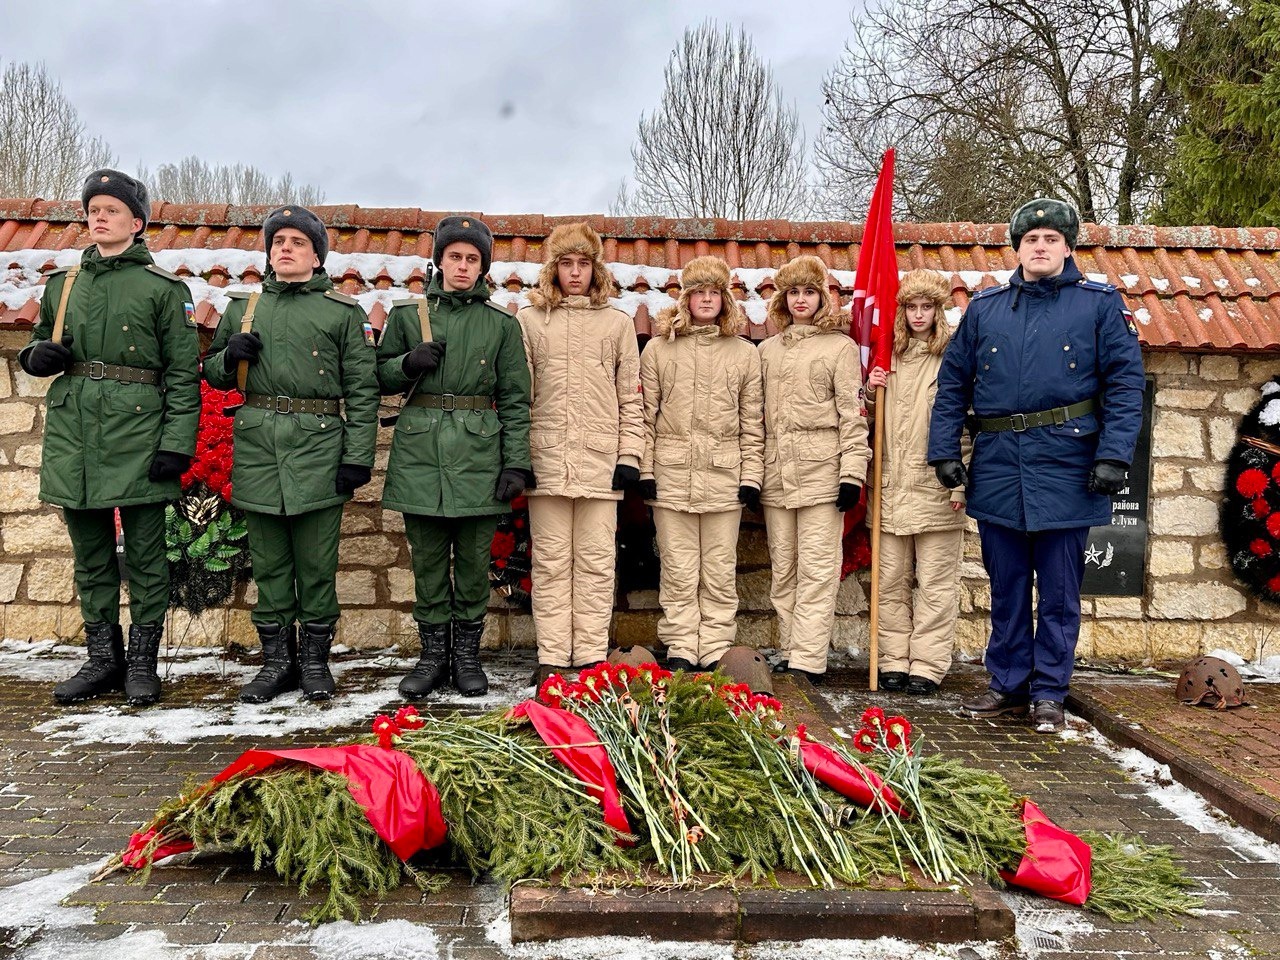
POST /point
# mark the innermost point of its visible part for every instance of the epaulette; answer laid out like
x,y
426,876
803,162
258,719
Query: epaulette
x,y
239,294
990,291
1088,284
57,270
499,307
342,298
162,272
406,302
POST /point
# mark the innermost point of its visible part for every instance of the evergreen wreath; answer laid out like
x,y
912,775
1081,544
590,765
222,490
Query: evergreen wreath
x,y
1250,517
205,536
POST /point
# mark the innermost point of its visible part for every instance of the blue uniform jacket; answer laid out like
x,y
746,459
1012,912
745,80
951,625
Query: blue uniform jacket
x,y
1026,347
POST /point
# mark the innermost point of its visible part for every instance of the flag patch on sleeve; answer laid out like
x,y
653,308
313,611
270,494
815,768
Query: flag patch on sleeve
x,y
1128,319
189,314
370,337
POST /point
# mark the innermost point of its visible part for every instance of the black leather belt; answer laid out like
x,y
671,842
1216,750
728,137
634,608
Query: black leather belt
x,y
291,404
97,370
449,401
1025,421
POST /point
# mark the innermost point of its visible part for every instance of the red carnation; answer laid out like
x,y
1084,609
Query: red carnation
x,y
1260,507
1260,548
873,717
1275,473
865,740
1252,482
386,729
407,718
1273,525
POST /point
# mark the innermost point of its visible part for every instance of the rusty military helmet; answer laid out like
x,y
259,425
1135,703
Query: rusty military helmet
x,y
747,666
636,656
1211,682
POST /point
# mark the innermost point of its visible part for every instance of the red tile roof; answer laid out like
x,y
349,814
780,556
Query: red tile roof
x,y
1202,288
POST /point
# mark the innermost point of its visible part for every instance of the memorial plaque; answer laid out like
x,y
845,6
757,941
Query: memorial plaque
x,y
1115,556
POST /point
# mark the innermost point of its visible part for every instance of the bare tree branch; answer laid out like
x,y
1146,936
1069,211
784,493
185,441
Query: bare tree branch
x,y
991,101
722,143
44,148
192,180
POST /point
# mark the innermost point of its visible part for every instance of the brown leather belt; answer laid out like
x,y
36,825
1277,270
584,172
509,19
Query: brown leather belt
x,y
449,401
97,370
1025,421
292,404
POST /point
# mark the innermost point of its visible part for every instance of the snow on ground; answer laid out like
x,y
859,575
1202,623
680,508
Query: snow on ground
x,y
1266,670
1188,806
366,687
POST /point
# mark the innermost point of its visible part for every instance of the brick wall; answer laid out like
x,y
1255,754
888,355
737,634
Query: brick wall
x,y
1192,603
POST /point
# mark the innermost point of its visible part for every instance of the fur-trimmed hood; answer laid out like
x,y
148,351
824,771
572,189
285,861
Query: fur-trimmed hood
x,y
573,238
701,273
807,271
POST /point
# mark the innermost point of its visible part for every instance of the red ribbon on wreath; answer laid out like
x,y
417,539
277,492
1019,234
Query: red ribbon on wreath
x,y
576,745
401,804
1057,864
857,783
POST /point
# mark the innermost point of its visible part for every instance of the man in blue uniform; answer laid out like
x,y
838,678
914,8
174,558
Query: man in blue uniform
x,y
1049,365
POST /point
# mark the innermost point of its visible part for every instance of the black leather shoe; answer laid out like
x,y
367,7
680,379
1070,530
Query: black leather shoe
x,y
279,673
314,676
432,669
993,703
680,663
921,687
1047,717
468,676
141,681
893,682
103,671
814,678
544,670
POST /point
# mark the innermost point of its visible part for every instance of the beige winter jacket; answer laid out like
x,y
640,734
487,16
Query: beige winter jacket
x,y
587,413
914,500
703,415
815,434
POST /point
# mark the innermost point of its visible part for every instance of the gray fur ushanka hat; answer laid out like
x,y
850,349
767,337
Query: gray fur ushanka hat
x,y
1045,213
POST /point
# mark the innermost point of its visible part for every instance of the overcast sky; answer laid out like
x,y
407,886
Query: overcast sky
x,y
501,106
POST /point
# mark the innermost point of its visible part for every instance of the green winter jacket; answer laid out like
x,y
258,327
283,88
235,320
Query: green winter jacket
x,y
101,435
314,346
446,463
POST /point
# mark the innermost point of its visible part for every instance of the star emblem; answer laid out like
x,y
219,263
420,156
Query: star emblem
x,y
1092,555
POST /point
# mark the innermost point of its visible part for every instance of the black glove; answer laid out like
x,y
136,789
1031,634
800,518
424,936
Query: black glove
x,y
1108,476
625,477
648,489
166,465
242,346
749,496
423,358
351,477
47,358
511,483
847,499
951,474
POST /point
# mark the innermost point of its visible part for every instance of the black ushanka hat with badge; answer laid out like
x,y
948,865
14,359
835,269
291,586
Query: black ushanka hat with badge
x,y
299,218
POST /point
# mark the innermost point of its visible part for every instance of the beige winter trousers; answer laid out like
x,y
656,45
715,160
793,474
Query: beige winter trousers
x,y
918,638
804,551
572,569
699,587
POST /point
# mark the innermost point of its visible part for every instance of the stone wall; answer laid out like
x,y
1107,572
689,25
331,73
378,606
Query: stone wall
x,y
1192,602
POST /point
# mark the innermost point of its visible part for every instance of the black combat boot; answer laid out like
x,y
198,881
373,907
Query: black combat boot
x,y
468,675
313,661
432,668
103,672
141,682
279,673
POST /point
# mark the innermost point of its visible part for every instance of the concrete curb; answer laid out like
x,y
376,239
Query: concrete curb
x,y
1246,806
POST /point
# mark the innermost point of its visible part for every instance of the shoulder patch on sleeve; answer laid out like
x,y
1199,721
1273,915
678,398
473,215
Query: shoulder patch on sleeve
x,y
1096,286
189,313
342,298
162,272
990,291
1128,319
239,294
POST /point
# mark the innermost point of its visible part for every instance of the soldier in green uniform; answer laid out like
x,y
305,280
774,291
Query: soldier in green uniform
x,y
460,453
120,428
306,351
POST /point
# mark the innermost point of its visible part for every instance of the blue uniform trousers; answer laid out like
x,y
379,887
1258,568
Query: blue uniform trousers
x,y
1022,662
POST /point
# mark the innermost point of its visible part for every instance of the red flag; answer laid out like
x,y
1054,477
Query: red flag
x,y
875,287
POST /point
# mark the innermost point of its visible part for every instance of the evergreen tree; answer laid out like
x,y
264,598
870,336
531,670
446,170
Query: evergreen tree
x,y
1226,162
